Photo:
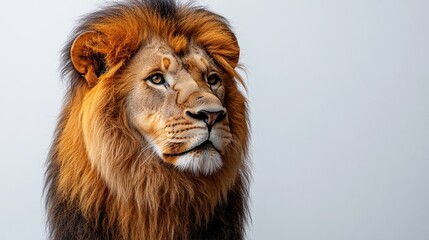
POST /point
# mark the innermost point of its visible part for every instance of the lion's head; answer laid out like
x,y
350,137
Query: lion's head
x,y
153,117
176,102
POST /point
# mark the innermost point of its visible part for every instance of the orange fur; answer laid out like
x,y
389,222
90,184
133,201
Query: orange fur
x,y
142,198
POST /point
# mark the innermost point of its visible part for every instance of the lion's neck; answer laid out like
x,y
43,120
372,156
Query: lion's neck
x,y
164,206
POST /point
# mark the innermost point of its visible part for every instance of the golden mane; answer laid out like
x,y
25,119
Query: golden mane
x,y
142,198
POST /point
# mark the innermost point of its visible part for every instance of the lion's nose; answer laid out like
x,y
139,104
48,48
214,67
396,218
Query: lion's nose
x,y
210,118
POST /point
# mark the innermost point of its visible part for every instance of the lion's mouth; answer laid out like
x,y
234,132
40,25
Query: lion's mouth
x,y
202,147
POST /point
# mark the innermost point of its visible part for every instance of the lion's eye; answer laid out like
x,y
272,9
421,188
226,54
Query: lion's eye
x,y
213,79
156,79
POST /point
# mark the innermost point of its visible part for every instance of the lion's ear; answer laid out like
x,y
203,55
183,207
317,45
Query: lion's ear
x,y
87,57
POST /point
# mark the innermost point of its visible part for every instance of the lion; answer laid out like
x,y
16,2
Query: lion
x,y
152,141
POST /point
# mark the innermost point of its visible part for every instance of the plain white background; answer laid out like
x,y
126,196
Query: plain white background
x,y
339,99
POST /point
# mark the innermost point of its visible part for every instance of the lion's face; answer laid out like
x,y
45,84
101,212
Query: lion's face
x,y
177,105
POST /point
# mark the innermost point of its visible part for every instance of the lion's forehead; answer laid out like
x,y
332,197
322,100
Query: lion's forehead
x,y
159,56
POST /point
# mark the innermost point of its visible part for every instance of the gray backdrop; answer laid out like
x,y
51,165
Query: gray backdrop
x,y
339,97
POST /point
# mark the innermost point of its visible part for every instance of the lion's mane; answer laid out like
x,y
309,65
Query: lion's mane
x,y
142,198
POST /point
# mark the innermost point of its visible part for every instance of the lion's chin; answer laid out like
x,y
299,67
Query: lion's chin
x,y
203,160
